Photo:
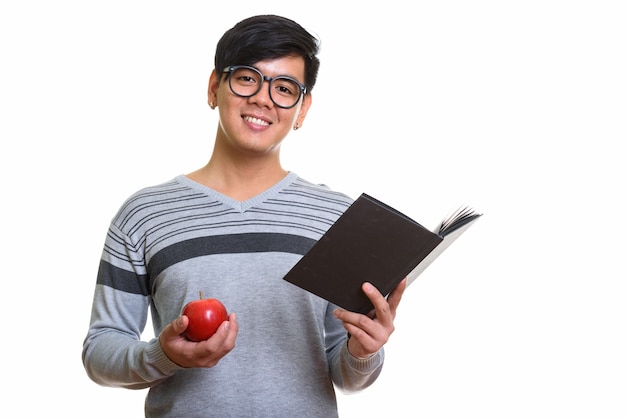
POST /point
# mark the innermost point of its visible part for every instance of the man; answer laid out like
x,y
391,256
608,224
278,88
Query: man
x,y
232,229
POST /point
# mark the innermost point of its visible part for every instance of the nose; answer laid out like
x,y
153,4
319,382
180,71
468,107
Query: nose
x,y
262,97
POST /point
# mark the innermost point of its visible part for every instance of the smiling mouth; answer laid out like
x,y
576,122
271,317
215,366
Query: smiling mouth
x,y
256,121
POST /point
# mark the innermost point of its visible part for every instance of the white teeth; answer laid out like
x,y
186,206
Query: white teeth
x,y
256,121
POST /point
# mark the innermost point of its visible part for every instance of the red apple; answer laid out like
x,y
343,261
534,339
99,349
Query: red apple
x,y
205,317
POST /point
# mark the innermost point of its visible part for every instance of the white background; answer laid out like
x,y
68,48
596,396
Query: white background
x,y
517,108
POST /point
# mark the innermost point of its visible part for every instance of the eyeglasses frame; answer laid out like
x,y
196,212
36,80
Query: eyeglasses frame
x,y
232,68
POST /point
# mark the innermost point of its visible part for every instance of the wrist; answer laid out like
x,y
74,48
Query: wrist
x,y
351,352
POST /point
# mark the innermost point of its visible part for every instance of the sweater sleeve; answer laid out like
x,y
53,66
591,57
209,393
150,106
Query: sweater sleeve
x,y
113,352
349,374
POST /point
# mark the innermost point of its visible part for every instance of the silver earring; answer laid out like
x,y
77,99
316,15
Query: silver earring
x,y
212,105
295,128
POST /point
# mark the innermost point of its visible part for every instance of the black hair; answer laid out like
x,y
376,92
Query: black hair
x,y
264,37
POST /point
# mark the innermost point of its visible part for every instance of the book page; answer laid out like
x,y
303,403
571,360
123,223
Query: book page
x,y
449,238
456,219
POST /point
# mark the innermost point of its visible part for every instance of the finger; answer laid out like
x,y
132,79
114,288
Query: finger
x,y
233,329
352,321
219,344
179,325
396,295
378,300
228,329
224,337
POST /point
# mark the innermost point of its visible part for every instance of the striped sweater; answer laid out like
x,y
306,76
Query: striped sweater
x,y
167,243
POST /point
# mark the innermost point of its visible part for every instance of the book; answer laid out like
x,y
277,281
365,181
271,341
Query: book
x,y
371,241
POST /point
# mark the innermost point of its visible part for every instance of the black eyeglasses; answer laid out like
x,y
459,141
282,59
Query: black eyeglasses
x,y
245,81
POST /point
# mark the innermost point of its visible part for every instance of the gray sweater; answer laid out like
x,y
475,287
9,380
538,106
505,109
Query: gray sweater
x,y
170,241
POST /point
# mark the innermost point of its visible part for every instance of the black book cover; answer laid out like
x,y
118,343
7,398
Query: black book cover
x,y
371,242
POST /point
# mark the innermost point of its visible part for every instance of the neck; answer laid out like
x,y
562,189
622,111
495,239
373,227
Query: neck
x,y
238,180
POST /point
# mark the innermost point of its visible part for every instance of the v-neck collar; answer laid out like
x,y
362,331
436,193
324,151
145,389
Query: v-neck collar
x,y
240,206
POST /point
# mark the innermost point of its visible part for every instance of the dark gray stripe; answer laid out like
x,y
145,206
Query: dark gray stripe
x,y
128,281
124,280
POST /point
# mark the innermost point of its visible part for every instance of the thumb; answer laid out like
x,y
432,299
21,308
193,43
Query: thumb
x,y
179,325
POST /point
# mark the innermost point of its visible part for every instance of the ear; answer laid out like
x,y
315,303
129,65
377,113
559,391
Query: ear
x,y
214,83
307,100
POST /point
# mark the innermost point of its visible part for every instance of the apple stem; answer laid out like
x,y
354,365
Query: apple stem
x,y
201,294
